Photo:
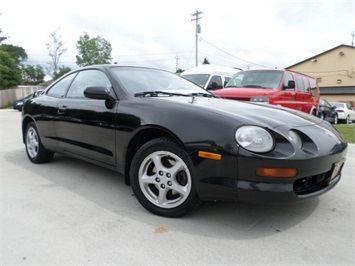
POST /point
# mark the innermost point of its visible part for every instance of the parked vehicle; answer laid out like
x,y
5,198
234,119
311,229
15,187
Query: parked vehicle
x,y
278,87
327,112
210,77
177,144
345,113
18,104
352,103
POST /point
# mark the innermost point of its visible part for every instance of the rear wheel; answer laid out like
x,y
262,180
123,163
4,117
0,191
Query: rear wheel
x,y
347,120
34,148
162,179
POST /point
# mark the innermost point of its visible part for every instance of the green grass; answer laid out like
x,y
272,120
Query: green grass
x,y
348,131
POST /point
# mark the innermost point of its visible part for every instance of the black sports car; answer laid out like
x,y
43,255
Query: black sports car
x,y
18,104
177,144
327,112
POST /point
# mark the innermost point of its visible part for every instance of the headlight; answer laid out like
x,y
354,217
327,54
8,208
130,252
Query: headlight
x,y
295,138
259,99
255,139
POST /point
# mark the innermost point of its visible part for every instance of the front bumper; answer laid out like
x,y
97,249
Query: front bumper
x,y
310,182
318,164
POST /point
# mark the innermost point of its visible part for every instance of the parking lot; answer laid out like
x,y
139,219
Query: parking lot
x,y
71,212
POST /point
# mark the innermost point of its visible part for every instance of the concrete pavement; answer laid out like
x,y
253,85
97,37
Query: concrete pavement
x,y
71,212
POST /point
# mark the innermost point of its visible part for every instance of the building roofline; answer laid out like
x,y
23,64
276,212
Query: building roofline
x,y
327,51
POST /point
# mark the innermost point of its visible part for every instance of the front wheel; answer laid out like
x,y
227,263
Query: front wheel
x,y
162,179
321,115
336,120
34,148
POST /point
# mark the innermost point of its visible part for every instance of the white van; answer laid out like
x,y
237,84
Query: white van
x,y
210,77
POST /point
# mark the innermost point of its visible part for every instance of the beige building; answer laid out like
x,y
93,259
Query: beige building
x,y
334,70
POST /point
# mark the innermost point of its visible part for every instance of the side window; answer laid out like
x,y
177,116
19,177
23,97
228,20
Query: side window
x,y
314,88
306,84
85,79
287,80
300,85
217,80
59,89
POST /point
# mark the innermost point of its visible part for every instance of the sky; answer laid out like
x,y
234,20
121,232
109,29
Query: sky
x,y
246,34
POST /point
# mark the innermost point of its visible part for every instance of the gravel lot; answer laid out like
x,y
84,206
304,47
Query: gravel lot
x,y
71,212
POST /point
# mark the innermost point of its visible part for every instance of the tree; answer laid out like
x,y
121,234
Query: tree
x,y
9,71
32,75
61,72
179,71
93,51
16,52
205,62
2,38
55,51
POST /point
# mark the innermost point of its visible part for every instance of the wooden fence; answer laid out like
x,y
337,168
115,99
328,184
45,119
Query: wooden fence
x,y
10,95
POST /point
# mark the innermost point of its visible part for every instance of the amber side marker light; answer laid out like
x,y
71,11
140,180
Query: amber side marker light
x,y
209,155
276,172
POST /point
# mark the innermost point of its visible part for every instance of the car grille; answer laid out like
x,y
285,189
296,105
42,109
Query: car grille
x,y
311,184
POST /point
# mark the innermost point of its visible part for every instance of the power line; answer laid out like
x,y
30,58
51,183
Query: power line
x,y
234,55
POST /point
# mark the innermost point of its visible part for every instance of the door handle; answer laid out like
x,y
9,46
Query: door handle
x,y
62,109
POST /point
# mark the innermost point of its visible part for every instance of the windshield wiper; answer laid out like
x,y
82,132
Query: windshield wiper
x,y
156,94
166,93
203,94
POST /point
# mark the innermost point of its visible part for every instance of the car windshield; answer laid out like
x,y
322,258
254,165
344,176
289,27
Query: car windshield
x,y
256,79
198,79
139,81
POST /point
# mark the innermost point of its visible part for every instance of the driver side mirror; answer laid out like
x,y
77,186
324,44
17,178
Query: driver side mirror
x,y
98,93
290,85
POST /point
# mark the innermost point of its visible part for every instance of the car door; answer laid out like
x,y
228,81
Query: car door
x,y
286,95
300,101
84,126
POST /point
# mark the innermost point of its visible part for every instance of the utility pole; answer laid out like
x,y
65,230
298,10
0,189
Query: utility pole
x,y
198,30
177,63
352,38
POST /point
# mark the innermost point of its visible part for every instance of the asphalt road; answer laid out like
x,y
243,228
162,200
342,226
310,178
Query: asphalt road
x,y
71,212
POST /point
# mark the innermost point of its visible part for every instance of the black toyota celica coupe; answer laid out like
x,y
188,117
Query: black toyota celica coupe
x,y
177,144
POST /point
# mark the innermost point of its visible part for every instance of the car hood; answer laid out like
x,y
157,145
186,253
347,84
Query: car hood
x,y
243,92
246,112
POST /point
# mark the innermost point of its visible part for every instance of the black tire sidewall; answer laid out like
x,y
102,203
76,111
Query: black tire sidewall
x,y
162,144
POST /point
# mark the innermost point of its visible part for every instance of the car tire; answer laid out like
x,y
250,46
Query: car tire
x,y
34,148
335,120
347,120
162,178
321,115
